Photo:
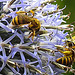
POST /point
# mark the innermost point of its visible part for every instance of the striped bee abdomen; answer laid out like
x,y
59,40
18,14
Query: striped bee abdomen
x,y
66,60
20,19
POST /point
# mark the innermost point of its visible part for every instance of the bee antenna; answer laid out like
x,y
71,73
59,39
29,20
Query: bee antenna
x,y
71,37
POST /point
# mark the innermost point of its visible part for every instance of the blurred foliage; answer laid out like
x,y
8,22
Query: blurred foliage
x,y
68,73
70,4
73,66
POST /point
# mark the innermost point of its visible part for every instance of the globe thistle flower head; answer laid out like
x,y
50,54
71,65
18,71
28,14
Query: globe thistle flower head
x,y
20,53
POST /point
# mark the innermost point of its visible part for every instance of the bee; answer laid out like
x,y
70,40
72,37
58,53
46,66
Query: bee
x,y
70,44
23,19
69,54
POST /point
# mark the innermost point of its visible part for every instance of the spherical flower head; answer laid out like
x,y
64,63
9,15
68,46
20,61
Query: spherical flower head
x,y
29,55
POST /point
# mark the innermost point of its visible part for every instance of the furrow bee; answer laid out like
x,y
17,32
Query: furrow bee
x,y
23,19
69,54
70,44
66,60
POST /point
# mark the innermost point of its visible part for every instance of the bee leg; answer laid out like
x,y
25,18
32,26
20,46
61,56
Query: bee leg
x,y
33,34
67,53
32,13
30,34
30,25
21,12
67,49
60,51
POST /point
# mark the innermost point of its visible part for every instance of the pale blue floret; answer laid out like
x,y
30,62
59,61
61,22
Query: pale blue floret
x,y
4,58
23,59
13,70
49,7
3,0
6,28
1,42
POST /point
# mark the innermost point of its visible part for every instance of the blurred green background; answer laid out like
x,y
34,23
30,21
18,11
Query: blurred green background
x,y
70,7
